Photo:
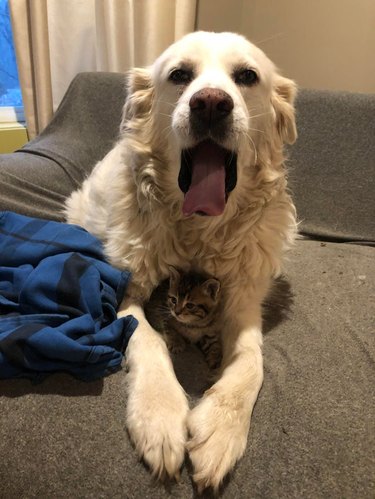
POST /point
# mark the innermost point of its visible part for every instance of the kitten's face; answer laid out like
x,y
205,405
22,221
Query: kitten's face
x,y
192,298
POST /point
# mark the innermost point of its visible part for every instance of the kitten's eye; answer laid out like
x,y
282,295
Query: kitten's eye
x,y
172,299
247,77
190,306
181,76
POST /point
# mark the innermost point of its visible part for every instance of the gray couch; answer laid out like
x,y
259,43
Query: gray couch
x,y
313,429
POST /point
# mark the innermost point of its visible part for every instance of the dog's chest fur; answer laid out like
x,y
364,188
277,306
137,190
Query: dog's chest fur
x,y
241,245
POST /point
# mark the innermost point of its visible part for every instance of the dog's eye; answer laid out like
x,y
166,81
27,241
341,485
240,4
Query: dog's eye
x,y
181,76
246,77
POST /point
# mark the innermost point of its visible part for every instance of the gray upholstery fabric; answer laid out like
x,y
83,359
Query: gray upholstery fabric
x,y
313,428
332,165
36,179
313,431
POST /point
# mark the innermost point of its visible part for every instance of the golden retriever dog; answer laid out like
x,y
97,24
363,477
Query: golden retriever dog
x,y
196,180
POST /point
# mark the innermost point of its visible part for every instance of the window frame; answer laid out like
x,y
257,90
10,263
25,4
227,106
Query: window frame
x,y
12,114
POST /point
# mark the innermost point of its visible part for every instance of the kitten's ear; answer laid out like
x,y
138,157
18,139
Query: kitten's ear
x,y
174,276
211,287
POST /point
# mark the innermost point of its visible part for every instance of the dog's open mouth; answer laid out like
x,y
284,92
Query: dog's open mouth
x,y
208,174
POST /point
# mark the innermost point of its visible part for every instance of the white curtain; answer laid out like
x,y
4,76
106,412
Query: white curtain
x,y
56,39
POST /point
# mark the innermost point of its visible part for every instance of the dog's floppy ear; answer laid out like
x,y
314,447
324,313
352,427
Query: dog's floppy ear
x,y
139,98
283,95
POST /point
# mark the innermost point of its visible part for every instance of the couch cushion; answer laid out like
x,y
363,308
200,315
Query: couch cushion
x,y
332,165
313,430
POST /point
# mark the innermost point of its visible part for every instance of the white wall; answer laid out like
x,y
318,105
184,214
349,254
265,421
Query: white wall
x,y
326,44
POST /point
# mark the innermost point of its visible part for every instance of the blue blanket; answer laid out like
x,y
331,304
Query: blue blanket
x,y
58,301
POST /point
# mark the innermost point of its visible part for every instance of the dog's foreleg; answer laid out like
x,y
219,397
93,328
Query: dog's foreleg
x,y
157,407
219,424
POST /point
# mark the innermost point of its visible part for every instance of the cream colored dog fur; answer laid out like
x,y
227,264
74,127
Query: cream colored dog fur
x,y
132,201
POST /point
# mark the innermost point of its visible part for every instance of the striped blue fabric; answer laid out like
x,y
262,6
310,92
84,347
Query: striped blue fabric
x,y
58,301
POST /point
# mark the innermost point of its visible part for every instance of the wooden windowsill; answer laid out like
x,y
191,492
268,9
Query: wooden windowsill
x,y
13,135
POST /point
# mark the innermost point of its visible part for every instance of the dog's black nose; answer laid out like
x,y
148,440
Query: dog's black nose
x,y
211,105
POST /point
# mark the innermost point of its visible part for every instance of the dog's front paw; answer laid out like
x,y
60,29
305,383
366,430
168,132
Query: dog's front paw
x,y
156,422
218,434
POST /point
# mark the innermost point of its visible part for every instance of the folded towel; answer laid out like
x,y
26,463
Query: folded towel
x,y
58,301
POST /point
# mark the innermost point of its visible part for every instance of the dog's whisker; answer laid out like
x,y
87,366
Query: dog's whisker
x,y
164,114
254,147
170,130
254,108
258,115
257,130
168,103
272,37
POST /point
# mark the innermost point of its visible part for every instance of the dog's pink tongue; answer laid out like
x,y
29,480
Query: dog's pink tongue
x,y
206,194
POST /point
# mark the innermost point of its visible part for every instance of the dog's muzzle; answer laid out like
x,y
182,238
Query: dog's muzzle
x,y
208,173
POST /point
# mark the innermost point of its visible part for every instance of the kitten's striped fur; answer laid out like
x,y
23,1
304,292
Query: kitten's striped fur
x,y
186,307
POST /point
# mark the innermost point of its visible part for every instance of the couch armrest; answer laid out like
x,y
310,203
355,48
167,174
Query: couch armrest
x,y
86,124
36,179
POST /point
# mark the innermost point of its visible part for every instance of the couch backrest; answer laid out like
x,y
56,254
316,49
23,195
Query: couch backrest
x,y
332,165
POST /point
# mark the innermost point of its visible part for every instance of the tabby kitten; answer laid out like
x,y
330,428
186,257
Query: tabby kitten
x,y
185,307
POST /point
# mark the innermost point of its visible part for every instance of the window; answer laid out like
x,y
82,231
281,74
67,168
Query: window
x,y
12,129
10,92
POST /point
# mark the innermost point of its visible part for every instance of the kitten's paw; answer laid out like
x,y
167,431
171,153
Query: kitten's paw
x,y
176,344
214,358
212,351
